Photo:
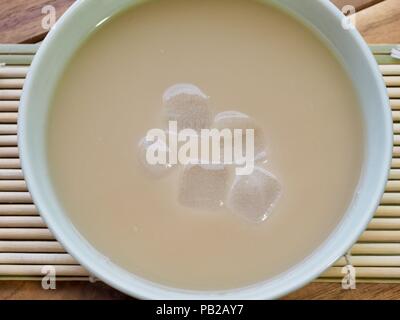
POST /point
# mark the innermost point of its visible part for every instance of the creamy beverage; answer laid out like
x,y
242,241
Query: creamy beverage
x,y
253,63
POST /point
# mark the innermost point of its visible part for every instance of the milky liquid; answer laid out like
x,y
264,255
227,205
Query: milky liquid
x,y
247,57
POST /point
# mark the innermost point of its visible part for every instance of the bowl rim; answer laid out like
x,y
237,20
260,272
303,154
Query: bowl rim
x,y
133,285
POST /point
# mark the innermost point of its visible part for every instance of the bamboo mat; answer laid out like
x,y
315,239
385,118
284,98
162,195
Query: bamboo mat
x,y
26,245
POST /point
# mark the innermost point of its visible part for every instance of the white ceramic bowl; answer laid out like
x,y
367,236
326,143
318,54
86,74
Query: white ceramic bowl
x,y
68,34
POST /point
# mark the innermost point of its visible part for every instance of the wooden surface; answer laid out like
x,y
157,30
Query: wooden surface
x,y
21,21
23,290
333,291
357,4
27,290
381,22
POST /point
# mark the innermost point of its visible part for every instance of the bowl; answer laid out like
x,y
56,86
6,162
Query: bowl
x,y
325,19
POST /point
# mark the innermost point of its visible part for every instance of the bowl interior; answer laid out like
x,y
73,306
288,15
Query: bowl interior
x,y
76,26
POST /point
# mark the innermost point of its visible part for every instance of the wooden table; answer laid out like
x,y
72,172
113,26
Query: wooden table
x,y
21,22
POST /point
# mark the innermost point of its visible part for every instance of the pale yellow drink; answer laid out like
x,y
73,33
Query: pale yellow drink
x,y
247,56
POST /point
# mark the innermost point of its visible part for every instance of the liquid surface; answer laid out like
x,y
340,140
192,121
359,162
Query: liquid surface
x,y
246,56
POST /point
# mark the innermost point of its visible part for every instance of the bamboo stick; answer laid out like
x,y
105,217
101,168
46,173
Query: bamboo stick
x,y
19,83
396,115
380,236
396,152
21,222
7,106
367,261
364,272
35,270
376,249
391,81
11,174
10,129
8,140
18,59
394,93
385,211
383,224
10,163
25,234
18,210
359,280
396,140
13,72
384,59
70,278
395,104
10,94
381,48
394,174
15,197
388,198
395,163
31,246
37,258
8,117
390,70
7,152
393,186
19,48
13,185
